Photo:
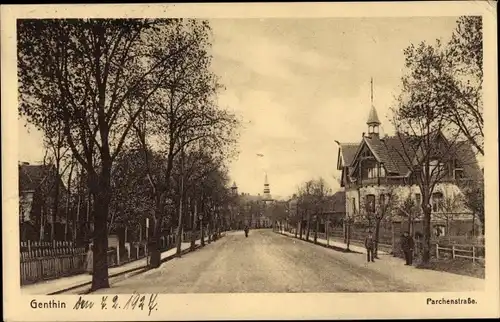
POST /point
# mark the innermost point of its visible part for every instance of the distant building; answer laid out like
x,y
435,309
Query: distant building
x,y
252,210
36,202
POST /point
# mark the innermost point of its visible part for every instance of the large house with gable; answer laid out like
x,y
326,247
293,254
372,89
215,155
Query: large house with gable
x,y
376,164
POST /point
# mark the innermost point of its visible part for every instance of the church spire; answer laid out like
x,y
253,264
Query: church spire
x,y
373,120
267,191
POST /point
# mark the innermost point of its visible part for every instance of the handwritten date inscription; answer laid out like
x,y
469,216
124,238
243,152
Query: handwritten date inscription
x,y
133,302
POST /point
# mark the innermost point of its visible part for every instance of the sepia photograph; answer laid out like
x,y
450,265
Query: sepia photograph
x,y
218,155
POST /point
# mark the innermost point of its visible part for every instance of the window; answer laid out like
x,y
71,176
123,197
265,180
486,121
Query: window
x,y
418,200
376,172
439,230
436,167
437,201
370,203
382,200
382,171
458,174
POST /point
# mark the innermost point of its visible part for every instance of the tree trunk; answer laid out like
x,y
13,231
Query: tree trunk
x,y
377,234
193,227
344,228
100,237
68,200
209,232
426,245
393,239
316,228
348,235
155,249
473,223
308,227
55,210
202,221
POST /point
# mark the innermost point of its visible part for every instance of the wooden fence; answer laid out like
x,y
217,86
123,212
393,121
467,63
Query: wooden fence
x,y
476,253
49,260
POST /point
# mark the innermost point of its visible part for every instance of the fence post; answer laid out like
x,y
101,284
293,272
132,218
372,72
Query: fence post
x,y
473,254
453,251
437,250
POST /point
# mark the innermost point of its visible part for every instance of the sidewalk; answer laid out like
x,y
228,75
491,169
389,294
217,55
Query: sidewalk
x,y
65,283
334,243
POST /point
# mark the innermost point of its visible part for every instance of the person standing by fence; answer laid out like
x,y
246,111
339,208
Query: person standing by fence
x,y
370,246
407,246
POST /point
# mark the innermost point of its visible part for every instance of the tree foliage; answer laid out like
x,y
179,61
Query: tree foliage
x,y
430,138
93,78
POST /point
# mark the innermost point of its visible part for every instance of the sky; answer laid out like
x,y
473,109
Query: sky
x,y
298,85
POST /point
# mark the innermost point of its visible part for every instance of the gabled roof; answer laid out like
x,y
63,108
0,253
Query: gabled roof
x,y
467,160
338,200
32,176
397,153
348,151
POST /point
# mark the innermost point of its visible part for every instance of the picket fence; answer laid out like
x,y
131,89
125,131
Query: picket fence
x,y
50,260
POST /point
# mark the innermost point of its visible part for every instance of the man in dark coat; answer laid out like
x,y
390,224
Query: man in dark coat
x,y
407,245
370,246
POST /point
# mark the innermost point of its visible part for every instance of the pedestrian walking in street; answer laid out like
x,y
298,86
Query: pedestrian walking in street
x,y
370,246
407,245
246,231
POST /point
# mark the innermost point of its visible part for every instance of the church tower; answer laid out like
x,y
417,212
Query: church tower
x,y
267,190
373,121
234,189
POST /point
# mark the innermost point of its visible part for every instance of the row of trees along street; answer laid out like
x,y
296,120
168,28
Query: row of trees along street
x,y
313,200
133,105
438,112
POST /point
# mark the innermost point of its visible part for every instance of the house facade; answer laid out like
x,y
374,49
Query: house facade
x,y
36,203
377,176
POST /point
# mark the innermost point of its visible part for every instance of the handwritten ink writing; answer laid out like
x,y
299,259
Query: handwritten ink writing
x,y
135,301
152,303
83,304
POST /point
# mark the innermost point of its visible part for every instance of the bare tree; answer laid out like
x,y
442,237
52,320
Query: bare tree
x,y
377,212
94,76
320,197
462,79
473,198
183,112
449,207
429,145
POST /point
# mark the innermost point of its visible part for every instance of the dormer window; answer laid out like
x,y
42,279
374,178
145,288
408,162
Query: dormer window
x,y
382,171
436,167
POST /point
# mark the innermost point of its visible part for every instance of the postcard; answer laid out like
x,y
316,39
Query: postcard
x,y
250,161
